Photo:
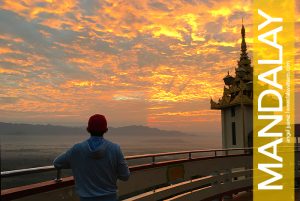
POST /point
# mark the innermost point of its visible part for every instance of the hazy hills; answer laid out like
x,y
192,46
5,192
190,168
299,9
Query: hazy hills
x,y
28,145
30,129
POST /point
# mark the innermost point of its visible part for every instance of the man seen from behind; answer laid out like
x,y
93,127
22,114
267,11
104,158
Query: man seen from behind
x,y
96,164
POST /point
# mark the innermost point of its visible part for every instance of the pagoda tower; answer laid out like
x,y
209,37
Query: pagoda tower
x,y
236,104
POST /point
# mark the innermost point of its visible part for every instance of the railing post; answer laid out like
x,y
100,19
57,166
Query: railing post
x,y
58,176
190,155
216,182
248,176
227,178
153,159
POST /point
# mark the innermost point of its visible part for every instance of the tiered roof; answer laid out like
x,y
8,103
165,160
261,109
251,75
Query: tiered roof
x,y
238,89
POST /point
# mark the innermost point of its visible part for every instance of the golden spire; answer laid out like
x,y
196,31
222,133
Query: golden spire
x,y
243,32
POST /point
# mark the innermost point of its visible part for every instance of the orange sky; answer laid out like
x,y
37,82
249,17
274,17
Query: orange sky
x,y
148,62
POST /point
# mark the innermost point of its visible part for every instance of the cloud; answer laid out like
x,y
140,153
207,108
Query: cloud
x,y
9,100
91,7
77,57
158,5
238,15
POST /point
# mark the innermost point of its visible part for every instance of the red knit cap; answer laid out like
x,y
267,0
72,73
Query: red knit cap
x,y
97,123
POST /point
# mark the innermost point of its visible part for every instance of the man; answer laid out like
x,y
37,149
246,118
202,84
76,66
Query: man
x,y
96,164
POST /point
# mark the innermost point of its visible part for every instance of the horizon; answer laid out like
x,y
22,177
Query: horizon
x,y
84,126
150,63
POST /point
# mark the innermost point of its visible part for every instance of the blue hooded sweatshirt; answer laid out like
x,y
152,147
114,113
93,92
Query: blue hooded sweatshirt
x,y
96,165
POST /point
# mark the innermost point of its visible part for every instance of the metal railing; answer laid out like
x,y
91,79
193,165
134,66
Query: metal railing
x,y
218,174
213,153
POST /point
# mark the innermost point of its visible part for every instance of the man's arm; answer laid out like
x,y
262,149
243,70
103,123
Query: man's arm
x,y
123,170
63,160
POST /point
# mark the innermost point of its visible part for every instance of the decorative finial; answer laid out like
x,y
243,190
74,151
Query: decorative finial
x,y
243,33
244,59
243,29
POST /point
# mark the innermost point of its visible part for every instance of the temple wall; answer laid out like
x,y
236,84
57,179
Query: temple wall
x,y
228,118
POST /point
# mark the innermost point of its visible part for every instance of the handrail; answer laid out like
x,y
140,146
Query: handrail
x,y
26,171
19,172
32,189
46,186
184,152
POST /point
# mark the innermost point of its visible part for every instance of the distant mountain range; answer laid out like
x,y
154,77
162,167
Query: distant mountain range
x,y
31,129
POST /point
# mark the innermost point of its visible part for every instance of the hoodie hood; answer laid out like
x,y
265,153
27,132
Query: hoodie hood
x,y
97,147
